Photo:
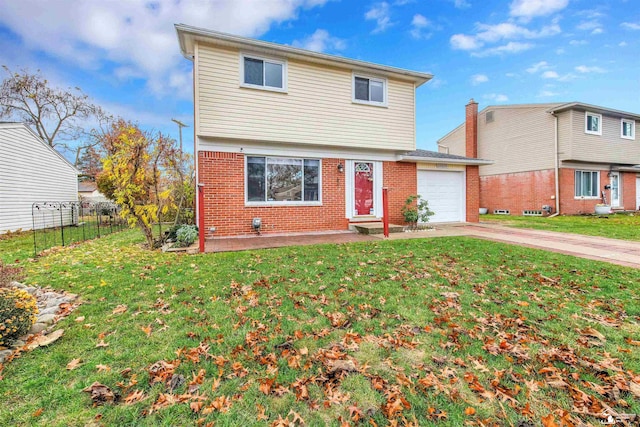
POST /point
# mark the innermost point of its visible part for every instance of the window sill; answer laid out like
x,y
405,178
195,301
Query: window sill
x,y
586,198
593,133
279,204
265,88
373,104
630,138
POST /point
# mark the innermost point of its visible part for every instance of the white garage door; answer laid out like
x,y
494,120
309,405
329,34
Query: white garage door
x,y
445,193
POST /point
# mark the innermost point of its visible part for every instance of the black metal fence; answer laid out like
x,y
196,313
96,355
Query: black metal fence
x,y
65,223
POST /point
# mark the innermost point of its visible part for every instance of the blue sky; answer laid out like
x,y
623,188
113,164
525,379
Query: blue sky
x,y
124,53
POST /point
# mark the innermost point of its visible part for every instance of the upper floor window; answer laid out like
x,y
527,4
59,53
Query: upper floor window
x,y
369,90
593,123
628,129
282,180
264,73
587,184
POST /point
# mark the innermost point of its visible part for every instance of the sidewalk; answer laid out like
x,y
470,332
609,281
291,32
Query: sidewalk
x,y
620,252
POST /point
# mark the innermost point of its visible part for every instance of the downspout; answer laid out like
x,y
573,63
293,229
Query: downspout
x,y
557,164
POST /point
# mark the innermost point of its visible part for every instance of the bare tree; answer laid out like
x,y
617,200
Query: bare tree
x,y
59,116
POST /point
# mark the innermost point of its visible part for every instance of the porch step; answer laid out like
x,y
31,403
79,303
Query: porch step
x,y
376,228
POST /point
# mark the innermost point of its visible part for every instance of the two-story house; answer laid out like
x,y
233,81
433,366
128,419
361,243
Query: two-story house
x,y
302,141
568,156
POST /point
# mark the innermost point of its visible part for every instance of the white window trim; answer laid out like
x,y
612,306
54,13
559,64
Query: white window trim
x,y
384,81
349,187
265,59
597,197
633,129
590,132
247,203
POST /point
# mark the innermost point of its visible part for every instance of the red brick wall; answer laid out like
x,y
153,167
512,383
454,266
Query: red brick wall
x,y
402,181
223,177
569,205
473,193
224,206
628,180
518,191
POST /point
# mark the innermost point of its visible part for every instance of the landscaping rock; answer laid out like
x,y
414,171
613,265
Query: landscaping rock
x,y
46,319
18,343
49,310
37,328
4,354
18,285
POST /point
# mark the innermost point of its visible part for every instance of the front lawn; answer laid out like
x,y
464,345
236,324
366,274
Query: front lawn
x,y
615,226
449,331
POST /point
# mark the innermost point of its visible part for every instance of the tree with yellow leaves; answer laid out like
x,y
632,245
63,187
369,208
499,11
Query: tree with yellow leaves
x,y
137,175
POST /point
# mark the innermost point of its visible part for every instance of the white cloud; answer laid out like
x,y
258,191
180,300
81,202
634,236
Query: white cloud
x,y
436,83
320,41
496,97
597,31
380,13
538,66
622,44
560,51
511,74
136,38
578,42
588,25
476,79
630,25
511,47
419,24
461,4
464,42
490,34
528,9
550,75
586,69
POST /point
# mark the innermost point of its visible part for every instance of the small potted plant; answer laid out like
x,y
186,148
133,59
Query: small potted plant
x,y
602,209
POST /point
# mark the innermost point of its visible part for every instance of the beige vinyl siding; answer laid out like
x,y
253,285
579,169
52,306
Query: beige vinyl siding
x,y
454,141
31,172
609,147
519,139
317,108
565,134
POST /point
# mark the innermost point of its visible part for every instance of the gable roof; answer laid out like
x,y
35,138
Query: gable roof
x,y
592,108
19,125
435,156
188,36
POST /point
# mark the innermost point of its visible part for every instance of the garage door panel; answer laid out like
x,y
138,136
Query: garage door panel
x,y
445,193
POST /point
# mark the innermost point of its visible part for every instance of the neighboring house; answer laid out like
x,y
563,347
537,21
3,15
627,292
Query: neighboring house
x,y
88,191
31,172
306,141
565,155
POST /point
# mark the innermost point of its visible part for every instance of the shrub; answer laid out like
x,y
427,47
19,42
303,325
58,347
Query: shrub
x,y
186,235
18,311
415,210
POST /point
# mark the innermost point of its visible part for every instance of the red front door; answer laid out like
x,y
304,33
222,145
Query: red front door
x,y
363,188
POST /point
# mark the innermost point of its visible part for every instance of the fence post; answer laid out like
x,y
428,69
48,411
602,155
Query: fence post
x,y
61,223
33,220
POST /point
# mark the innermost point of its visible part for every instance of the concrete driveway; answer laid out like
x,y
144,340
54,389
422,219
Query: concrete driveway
x,y
614,251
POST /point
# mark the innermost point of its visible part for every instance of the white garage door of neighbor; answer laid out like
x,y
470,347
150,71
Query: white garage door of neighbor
x,y
445,193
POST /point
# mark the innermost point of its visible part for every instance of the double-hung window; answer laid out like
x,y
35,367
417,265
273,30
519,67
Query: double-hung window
x,y
587,184
263,73
369,90
282,180
628,129
593,123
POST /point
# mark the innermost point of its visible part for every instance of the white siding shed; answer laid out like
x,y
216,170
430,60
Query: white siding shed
x,y
30,171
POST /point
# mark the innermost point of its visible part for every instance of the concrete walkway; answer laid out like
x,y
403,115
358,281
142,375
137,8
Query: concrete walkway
x,y
614,251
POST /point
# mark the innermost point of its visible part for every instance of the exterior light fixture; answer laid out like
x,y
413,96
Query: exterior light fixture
x,y
340,167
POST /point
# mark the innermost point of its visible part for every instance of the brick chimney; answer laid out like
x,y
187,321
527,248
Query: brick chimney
x,y
473,173
471,129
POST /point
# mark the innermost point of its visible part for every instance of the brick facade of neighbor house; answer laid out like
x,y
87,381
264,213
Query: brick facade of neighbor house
x,y
519,191
571,205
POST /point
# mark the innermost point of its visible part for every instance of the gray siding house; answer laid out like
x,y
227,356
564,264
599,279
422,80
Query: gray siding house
x,y
567,156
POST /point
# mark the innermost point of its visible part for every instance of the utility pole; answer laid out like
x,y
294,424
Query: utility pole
x,y
180,126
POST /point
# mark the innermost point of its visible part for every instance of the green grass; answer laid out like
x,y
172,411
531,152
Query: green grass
x,y
615,226
424,330
16,247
